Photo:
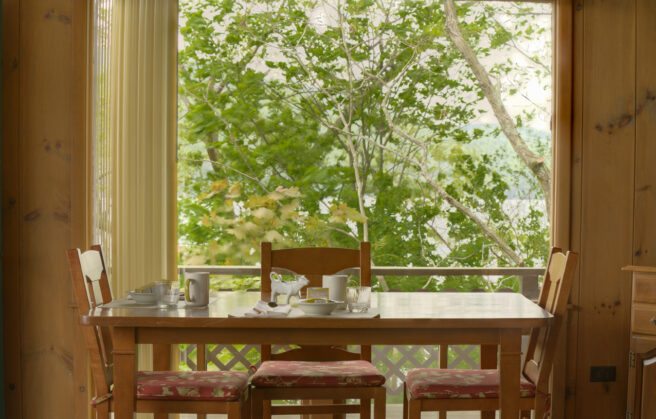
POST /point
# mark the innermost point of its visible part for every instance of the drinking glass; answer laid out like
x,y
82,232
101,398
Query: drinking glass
x,y
169,296
358,299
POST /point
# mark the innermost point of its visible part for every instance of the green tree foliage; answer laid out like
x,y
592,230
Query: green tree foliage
x,y
330,122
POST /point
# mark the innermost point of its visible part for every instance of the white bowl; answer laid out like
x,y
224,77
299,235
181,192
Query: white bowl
x,y
143,297
321,308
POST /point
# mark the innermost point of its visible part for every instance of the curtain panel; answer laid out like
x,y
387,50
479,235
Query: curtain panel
x,y
142,147
142,140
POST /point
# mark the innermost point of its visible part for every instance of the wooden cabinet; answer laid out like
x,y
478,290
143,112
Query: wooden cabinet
x,y
641,397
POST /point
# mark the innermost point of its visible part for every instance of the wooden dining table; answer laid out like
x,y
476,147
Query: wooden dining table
x,y
405,319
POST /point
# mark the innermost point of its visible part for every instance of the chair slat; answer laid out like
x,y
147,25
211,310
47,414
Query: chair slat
x,y
91,264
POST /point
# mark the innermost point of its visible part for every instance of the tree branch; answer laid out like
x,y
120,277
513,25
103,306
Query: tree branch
x,y
536,164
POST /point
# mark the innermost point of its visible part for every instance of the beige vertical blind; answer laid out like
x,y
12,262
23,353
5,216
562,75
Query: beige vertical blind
x,y
142,127
102,19
140,158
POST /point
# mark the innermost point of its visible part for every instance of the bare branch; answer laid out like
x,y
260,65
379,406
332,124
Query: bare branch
x,y
224,166
521,51
439,236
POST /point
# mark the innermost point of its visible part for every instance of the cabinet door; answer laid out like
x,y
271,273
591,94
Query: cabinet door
x,y
648,390
642,378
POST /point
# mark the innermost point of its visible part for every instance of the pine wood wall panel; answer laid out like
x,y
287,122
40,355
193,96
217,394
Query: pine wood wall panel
x,y
10,207
43,123
608,147
644,246
46,92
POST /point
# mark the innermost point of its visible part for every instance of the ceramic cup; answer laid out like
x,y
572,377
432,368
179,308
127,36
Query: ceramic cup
x,y
336,285
197,288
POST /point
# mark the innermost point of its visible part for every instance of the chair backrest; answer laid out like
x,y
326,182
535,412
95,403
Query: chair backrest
x,y
314,262
91,288
558,280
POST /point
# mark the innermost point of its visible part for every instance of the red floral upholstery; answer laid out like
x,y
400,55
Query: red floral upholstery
x,y
191,385
317,374
433,383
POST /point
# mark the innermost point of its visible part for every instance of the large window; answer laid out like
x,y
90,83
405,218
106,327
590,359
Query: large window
x,y
420,126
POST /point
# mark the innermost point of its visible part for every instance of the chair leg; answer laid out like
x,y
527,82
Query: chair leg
x,y
525,414
442,414
266,409
245,409
306,403
198,416
234,411
102,411
380,405
365,408
487,415
339,415
541,406
257,406
414,409
405,401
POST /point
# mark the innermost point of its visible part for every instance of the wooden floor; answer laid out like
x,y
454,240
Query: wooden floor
x,y
393,412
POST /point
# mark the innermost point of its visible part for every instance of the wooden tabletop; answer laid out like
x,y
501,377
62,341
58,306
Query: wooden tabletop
x,y
397,310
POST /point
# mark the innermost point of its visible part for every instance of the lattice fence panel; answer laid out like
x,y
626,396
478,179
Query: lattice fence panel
x,y
227,357
393,361
396,361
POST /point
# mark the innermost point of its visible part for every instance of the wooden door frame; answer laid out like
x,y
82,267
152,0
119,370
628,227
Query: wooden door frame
x,y
82,183
561,183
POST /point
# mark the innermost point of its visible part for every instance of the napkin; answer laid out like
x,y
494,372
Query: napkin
x,y
262,309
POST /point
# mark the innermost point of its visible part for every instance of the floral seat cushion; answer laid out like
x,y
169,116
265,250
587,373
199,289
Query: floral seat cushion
x,y
433,383
355,373
191,385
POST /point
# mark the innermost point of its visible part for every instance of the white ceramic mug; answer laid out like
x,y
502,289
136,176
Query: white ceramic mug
x,y
336,285
197,288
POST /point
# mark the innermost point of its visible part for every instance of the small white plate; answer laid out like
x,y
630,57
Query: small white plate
x,y
143,297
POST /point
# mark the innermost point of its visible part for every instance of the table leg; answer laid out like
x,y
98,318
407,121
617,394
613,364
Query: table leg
x,y
124,372
488,362
509,370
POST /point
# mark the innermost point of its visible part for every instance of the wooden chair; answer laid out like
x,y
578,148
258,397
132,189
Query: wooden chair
x,y
281,376
437,389
156,391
